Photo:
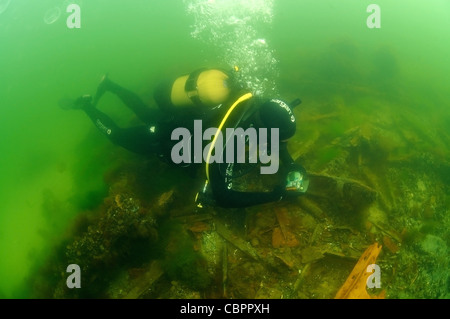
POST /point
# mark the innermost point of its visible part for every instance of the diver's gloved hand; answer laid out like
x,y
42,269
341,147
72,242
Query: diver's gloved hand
x,y
297,181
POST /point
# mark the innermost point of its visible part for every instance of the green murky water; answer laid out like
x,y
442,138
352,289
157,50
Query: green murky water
x,y
375,109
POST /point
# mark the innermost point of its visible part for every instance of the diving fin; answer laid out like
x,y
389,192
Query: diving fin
x,y
66,103
101,89
75,104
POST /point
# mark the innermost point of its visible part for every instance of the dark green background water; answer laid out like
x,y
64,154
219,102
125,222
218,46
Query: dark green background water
x,y
45,175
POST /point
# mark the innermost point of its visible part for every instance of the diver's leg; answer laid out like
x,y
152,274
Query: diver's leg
x,y
162,95
130,99
141,139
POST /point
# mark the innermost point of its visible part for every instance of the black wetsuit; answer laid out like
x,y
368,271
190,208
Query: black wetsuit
x,y
154,138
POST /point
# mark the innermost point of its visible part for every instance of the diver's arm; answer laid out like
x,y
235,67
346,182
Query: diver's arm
x,y
226,197
234,199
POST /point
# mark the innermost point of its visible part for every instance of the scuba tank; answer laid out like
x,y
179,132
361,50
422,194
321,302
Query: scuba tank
x,y
203,88
198,95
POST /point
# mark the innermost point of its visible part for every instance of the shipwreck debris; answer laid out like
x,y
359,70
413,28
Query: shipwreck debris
x,y
355,285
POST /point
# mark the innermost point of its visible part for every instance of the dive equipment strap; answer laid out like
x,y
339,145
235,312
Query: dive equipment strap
x,y
243,98
191,86
203,196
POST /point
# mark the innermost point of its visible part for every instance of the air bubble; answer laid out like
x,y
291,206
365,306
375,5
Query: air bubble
x,y
52,15
4,5
234,27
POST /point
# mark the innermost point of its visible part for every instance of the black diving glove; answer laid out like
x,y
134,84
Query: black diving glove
x,y
297,181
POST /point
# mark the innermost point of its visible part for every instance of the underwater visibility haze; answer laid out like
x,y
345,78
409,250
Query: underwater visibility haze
x,y
372,131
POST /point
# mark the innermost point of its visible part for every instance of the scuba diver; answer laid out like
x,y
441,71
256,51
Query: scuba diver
x,y
212,96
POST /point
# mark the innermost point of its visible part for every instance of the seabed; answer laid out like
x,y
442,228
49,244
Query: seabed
x,y
379,173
